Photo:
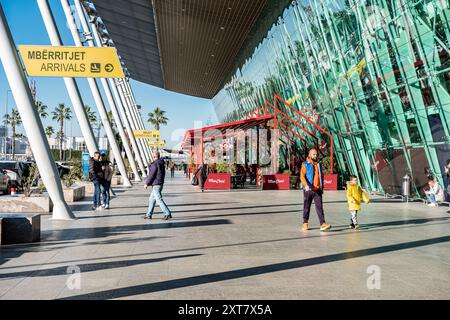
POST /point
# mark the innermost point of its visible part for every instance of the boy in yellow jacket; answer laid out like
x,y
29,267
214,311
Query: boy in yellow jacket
x,y
355,196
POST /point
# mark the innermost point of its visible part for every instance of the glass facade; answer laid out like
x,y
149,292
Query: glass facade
x,y
375,74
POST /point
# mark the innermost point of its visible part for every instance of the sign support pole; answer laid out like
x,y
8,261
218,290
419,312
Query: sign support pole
x,y
107,90
98,99
70,83
31,121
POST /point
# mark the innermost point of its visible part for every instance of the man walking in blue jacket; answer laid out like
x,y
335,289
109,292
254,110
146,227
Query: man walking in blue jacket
x,y
155,178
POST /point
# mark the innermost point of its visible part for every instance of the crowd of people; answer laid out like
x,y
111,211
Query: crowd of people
x,y
100,174
311,176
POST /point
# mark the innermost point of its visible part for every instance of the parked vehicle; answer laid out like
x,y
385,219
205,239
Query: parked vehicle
x,y
62,169
5,182
16,171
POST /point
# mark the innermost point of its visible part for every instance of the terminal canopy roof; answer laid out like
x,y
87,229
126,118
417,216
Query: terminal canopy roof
x,y
186,46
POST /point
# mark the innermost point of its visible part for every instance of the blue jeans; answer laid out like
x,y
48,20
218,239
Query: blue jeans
x,y
156,197
106,185
431,198
97,192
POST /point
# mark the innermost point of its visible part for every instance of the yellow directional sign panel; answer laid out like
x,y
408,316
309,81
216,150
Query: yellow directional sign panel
x,y
147,134
82,62
157,143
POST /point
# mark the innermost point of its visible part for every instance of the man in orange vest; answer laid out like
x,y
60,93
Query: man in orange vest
x,y
311,176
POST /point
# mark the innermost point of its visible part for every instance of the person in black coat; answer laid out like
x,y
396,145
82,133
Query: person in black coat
x,y
204,171
155,178
96,176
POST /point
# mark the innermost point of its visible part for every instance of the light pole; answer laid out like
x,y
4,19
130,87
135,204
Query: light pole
x,y
6,124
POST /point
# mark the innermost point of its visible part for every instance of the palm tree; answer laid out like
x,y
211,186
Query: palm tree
x,y
157,118
91,115
60,114
13,120
49,131
41,109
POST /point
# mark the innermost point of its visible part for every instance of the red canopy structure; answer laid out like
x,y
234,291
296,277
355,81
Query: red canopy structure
x,y
283,124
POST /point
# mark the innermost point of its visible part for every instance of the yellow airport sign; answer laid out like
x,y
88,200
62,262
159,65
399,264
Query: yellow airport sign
x,y
158,143
74,62
147,134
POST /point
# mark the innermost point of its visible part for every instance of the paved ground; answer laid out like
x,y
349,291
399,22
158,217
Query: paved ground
x,y
233,245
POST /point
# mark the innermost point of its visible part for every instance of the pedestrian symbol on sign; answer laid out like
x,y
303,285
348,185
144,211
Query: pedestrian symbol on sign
x,y
109,67
96,67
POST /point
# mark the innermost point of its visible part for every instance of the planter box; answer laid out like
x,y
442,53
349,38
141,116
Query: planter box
x,y
116,180
218,181
293,180
19,228
21,204
74,193
330,181
276,182
88,186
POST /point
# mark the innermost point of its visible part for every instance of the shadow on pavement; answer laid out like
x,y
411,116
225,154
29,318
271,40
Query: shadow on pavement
x,y
253,271
102,232
89,267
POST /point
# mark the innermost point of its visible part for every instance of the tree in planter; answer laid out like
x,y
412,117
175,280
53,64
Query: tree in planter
x,y
30,179
325,163
60,114
13,120
222,167
75,174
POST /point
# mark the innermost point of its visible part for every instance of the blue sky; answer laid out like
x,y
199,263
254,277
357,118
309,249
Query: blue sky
x,y
27,27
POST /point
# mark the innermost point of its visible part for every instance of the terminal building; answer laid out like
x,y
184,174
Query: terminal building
x,y
374,74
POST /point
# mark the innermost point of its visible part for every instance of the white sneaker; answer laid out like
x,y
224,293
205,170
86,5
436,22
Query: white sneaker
x,y
432,205
106,206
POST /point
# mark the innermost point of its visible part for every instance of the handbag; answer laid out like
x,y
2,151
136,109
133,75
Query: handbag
x,y
194,181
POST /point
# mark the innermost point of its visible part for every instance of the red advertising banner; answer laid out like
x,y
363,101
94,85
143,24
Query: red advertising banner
x,y
276,182
220,181
330,182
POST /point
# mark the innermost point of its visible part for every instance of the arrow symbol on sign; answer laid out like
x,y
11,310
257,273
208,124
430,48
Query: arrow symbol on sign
x,y
109,67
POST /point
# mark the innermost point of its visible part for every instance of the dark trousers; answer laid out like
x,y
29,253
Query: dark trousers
x,y
97,192
309,197
202,182
106,186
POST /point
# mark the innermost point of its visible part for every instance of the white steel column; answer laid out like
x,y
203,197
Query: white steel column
x,y
107,90
98,99
134,143
31,121
127,107
71,85
136,113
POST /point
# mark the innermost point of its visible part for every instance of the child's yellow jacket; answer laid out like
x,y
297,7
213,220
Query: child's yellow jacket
x,y
354,197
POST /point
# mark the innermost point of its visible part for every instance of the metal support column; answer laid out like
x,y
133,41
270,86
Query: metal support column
x,y
98,99
107,90
137,114
127,106
31,121
71,85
